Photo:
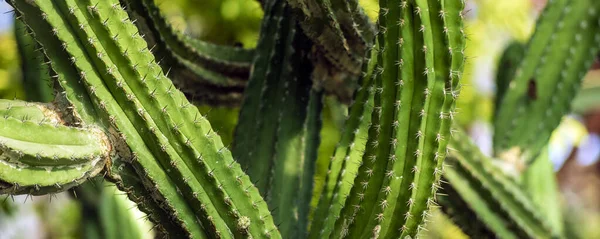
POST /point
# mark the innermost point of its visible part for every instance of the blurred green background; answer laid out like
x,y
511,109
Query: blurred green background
x,y
491,25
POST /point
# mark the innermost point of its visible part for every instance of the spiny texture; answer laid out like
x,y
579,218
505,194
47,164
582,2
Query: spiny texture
x,y
415,84
207,73
341,34
563,47
498,201
39,155
181,163
277,138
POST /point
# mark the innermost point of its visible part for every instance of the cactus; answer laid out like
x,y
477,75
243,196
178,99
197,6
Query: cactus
x,y
534,89
125,82
559,54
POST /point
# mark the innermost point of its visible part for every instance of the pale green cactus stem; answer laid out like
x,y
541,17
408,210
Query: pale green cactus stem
x,y
205,72
184,166
39,155
277,137
559,54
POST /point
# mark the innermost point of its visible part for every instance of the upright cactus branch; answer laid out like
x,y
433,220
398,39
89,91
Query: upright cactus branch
x,y
559,54
277,138
416,81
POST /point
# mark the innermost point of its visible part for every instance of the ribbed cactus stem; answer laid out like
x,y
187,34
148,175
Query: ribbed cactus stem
x,y
559,54
416,82
509,204
39,155
182,163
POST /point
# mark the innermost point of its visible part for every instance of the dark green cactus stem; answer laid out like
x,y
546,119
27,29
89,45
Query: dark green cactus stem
x,y
415,84
36,75
509,63
182,163
498,201
205,72
559,54
277,137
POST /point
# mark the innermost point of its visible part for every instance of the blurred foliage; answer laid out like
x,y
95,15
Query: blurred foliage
x,y
219,21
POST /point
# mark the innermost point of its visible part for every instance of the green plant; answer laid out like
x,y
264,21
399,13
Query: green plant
x,y
119,114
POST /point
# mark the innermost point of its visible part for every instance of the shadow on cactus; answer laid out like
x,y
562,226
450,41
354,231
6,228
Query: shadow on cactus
x,y
124,82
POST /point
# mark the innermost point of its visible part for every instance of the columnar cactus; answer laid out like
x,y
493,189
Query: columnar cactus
x,y
119,113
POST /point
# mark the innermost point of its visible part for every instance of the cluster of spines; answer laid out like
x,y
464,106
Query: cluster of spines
x,y
540,94
277,137
498,201
119,73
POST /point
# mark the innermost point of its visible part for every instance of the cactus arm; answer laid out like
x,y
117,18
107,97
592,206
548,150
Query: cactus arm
x,y
464,203
36,75
272,34
507,67
540,182
279,120
27,111
505,193
347,156
39,158
569,41
72,95
193,64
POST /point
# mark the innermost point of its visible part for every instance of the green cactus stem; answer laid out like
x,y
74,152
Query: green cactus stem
x,y
277,137
420,49
558,55
182,163
499,202
39,155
